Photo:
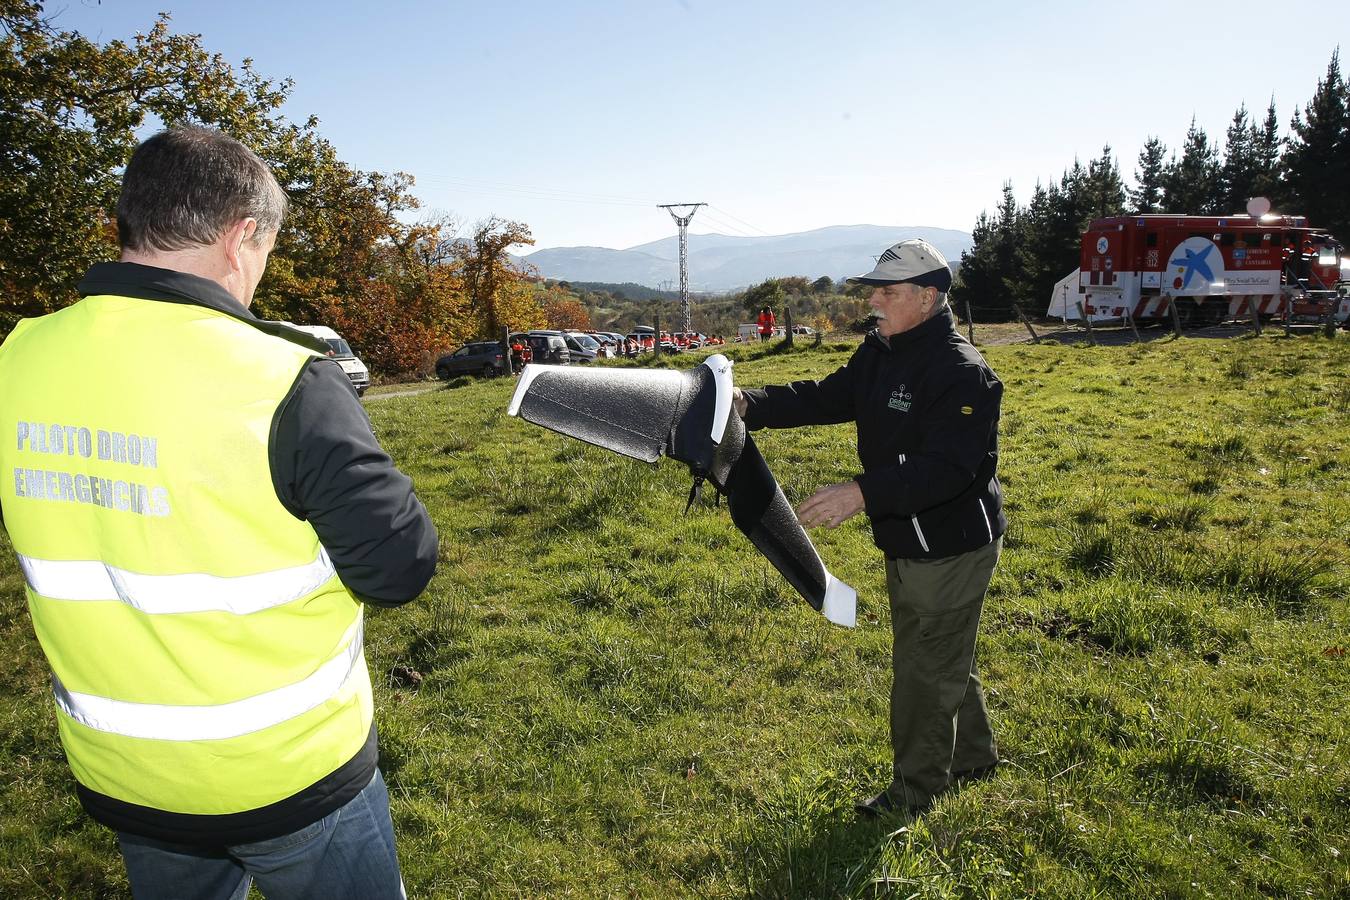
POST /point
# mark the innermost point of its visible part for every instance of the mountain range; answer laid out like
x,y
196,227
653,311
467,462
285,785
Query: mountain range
x,y
719,262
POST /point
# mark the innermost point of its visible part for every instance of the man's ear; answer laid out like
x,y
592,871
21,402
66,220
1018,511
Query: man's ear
x,y
235,236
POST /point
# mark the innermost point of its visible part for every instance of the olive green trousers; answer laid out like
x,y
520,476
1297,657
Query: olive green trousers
x,y
939,725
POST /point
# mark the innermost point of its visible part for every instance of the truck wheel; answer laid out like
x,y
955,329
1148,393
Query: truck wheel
x,y
442,373
489,371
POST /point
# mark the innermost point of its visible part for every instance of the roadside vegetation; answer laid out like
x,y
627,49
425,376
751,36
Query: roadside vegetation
x,y
600,697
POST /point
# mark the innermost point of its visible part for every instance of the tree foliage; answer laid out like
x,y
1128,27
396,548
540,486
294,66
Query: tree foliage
x,y
1317,163
1238,173
1191,185
1146,195
71,112
564,311
490,278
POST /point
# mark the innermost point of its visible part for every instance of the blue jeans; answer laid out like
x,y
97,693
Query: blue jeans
x,y
348,853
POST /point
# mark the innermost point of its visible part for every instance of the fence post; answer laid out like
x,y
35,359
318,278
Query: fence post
x,y
970,322
506,350
1287,306
1092,338
1256,314
1129,317
1035,339
656,336
1176,316
1329,320
787,317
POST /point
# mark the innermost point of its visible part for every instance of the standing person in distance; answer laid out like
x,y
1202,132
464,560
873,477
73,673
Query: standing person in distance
x,y
765,322
926,406
201,509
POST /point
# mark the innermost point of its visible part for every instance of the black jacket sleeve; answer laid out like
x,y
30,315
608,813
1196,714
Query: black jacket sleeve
x,y
828,401
328,468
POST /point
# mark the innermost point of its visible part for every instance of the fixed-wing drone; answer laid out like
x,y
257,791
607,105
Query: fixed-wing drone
x,y
688,416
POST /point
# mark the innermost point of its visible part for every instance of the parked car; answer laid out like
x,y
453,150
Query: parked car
x,y
549,347
610,343
584,347
478,358
341,353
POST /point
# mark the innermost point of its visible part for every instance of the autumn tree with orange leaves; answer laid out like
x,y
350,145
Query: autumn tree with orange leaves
x,y
564,312
71,112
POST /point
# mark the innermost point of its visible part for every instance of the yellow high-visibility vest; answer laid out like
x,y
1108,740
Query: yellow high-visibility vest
x,y
205,657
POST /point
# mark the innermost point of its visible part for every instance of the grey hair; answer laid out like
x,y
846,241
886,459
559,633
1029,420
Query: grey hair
x,y
185,186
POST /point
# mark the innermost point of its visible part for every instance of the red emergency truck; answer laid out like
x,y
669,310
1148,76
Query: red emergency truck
x,y
1212,268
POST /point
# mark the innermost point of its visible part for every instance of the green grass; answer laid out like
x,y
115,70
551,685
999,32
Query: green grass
x,y
618,700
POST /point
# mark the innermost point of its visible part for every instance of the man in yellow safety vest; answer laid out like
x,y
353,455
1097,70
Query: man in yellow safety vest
x,y
200,509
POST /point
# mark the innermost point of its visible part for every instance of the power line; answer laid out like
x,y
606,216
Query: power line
x,y
742,221
541,193
721,223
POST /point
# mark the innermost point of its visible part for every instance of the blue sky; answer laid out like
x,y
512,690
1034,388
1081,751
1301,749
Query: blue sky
x,y
577,117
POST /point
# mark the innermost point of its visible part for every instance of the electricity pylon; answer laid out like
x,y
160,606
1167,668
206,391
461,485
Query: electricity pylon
x,y
683,222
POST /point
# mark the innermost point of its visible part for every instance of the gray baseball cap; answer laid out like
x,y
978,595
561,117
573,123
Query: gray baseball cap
x,y
914,261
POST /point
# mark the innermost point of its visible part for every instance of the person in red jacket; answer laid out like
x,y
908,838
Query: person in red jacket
x,y
766,323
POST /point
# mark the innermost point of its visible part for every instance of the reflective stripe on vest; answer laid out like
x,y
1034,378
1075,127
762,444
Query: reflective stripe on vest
x,y
166,594
216,722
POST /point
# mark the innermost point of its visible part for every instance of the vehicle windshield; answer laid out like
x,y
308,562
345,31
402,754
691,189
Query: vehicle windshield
x,y
586,341
338,347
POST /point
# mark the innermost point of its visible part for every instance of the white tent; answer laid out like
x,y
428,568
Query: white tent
x,y
1064,298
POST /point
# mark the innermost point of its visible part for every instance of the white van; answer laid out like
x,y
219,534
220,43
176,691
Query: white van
x,y
341,353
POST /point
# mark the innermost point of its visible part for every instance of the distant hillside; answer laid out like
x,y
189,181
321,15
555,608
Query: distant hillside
x,y
627,290
719,262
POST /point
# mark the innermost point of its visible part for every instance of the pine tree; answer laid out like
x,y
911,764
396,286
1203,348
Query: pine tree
x,y
1267,146
1317,163
989,273
1076,208
1191,186
978,278
1237,176
1071,212
1147,195
1105,190
1040,257
1008,238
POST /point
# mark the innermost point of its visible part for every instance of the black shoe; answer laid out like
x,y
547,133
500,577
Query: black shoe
x,y
978,774
883,805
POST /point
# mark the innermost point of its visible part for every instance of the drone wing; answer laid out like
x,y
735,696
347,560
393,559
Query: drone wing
x,y
624,410
688,416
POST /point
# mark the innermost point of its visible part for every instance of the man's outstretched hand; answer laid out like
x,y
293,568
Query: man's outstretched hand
x,y
832,505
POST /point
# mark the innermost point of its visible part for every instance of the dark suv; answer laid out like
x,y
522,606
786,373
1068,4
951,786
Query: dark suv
x,y
479,358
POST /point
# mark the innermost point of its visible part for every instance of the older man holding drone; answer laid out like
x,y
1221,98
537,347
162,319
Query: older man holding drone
x,y
926,405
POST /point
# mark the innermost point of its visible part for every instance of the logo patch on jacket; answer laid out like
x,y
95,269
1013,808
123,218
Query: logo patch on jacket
x,y
900,399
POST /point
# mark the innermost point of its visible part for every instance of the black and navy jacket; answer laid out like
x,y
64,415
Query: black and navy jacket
x,y
927,407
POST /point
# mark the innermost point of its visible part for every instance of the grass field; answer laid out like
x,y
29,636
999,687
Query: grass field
x,y
618,700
